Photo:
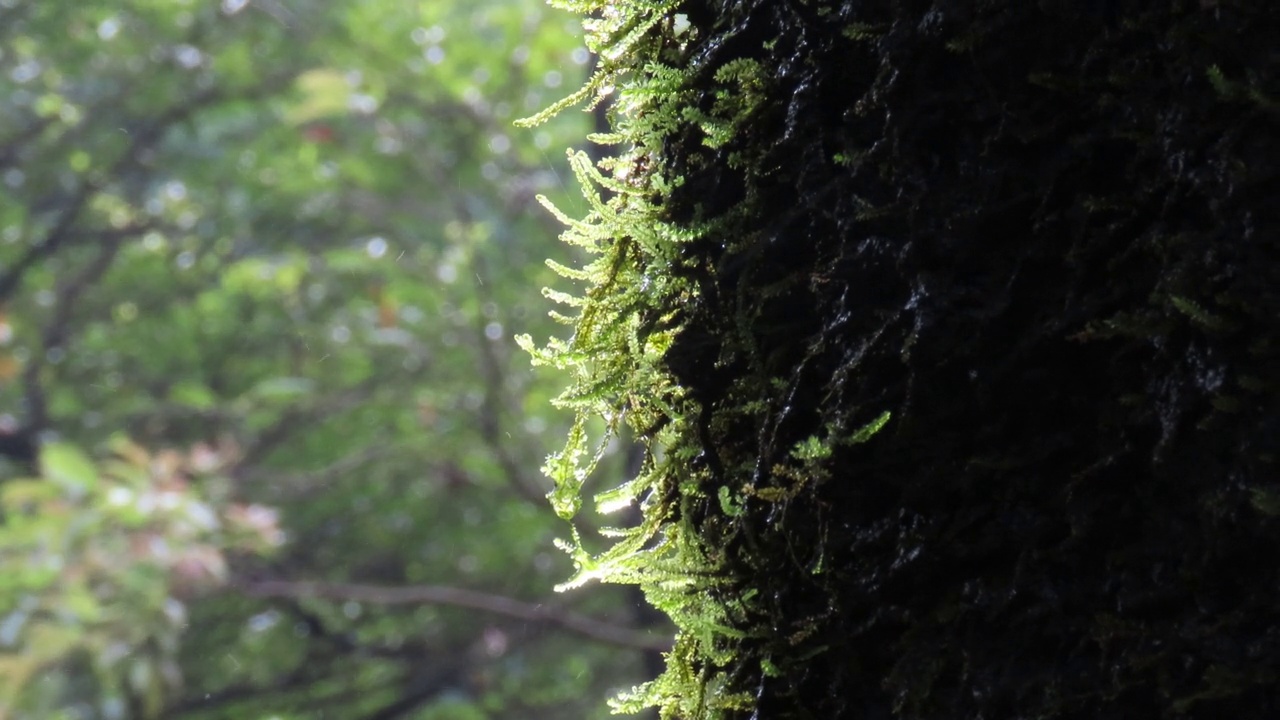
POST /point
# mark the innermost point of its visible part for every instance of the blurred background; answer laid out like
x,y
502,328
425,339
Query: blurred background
x,y
267,448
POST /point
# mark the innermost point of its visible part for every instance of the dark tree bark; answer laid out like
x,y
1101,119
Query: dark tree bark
x,y
1045,237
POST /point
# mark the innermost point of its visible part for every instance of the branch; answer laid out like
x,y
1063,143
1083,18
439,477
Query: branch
x,y
141,140
408,703
301,677
492,407
438,664
11,145
56,332
296,418
462,598
61,231
312,480
303,689
13,275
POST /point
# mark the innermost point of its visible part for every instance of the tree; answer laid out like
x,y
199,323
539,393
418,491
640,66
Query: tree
x,y
951,330
260,262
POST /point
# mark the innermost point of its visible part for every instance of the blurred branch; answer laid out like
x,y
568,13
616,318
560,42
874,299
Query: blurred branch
x,y
69,214
12,278
346,644
278,12
141,139
20,447
302,676
55,333
312,480
304,688
317,668
296,418
407,703
355,696
461,598
492,404
10,146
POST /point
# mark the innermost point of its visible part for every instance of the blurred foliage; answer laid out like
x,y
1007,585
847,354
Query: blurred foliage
x,y
99,560
282,247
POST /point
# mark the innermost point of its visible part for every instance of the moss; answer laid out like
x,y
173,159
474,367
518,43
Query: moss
x,y
949,328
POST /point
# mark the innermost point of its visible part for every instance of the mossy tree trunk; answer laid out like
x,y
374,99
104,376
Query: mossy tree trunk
x,y
960,327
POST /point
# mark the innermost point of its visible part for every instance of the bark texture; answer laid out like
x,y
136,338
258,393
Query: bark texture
x,y
1045,237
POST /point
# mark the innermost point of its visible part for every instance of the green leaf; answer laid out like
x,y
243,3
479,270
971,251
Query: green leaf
x,y
728,504
325,92
193,394
865,432
68,468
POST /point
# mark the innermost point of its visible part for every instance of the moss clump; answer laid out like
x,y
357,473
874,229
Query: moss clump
x,y
953,330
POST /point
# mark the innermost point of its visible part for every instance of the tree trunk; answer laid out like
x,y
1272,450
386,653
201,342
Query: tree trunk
x,y
980,329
